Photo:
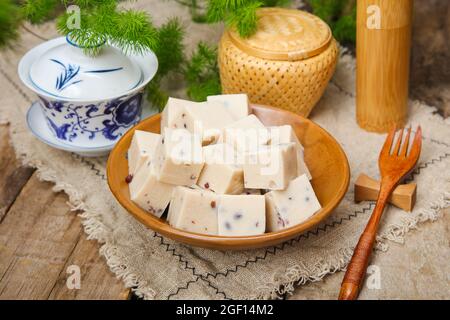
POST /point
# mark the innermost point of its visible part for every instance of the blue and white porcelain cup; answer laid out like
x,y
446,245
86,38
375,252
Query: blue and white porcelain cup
x,y
87,101
96,123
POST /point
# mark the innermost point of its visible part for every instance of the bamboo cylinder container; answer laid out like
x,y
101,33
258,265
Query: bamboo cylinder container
x,y
287,63
382,54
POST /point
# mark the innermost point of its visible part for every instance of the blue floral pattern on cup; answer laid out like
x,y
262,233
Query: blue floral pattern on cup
x,y
106,120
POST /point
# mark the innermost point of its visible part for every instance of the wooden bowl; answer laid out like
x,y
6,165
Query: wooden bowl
x,y
323,155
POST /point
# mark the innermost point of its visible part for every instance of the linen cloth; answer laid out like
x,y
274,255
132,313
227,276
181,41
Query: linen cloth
x,y
159,268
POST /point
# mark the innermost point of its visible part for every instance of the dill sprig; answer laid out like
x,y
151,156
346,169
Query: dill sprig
x,y
202,73
130,30
340,15
101,21
38,11
244,19
10,19
170,53
239,14
197,10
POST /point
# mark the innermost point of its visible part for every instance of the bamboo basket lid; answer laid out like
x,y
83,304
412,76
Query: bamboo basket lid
x,y
285,34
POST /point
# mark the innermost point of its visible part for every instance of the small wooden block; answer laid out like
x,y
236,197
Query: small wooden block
x,y
403,197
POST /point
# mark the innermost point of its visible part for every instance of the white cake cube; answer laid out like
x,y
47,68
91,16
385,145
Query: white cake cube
x,y
142,148
286,134
175,116
292,206
206,119
193,210
271,167
235,104
301,164
252,192
246,134
179,158
241,215
210,118
149,193
220,173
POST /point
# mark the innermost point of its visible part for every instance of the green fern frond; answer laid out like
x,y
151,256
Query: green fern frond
x,y
89,3
129,30
132,31
220,7
170,51
37,11
239,14
155,95
215,11
200,91
340,15
244,19
202,73
202,62
10,19
327,10
275,3
344,29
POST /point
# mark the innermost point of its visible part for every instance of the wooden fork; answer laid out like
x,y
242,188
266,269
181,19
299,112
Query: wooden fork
x,y
393,168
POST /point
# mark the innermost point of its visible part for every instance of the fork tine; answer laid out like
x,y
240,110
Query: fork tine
x,y
386,150
404,150
398,144
416,145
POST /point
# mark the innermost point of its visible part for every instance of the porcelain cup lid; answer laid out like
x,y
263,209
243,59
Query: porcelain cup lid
x,y
65,72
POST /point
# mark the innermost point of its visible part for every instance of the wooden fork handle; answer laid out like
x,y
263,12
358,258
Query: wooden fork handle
x,y
356,269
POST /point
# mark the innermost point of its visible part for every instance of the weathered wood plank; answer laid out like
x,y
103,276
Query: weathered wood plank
x,y
13,176
39,238
36,237
97,281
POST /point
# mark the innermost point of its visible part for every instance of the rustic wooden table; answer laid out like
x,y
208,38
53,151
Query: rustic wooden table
x,y
28,271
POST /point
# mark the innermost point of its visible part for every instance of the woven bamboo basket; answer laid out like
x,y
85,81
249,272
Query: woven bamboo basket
x,y
287,63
